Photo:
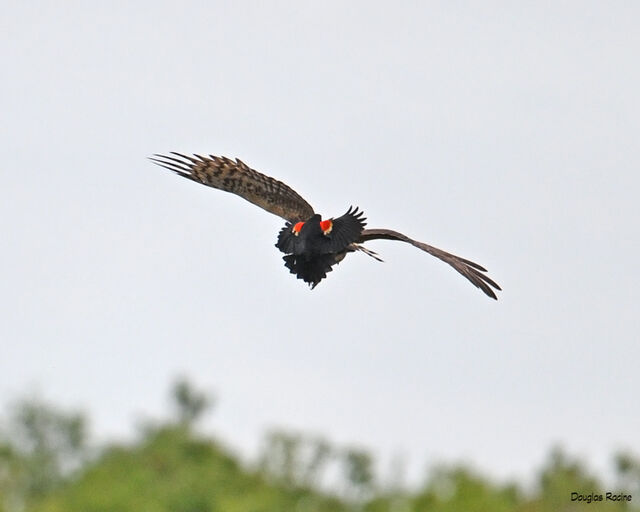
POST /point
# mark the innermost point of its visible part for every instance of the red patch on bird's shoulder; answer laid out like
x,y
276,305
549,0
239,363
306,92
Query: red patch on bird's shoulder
x,y
326,226
297,227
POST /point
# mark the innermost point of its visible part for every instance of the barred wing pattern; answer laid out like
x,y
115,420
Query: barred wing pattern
x,y
472,271
238,178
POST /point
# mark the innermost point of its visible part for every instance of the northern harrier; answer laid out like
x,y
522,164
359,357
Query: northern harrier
x,y
311,245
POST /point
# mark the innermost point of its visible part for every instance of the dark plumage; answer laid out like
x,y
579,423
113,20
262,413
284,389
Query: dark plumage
x,y
312,240
311,252
311,246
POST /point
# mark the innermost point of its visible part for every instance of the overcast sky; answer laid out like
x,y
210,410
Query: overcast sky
x,y
505,132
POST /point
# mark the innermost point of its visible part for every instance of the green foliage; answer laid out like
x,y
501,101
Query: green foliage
x,y
563,475
456,488
295,460
172,471
41,446
44,468
629,473
358,472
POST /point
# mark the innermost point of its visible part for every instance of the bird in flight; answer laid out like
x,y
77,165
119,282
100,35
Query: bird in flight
x,y
312,246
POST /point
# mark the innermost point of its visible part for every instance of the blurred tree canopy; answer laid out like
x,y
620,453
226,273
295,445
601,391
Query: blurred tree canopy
x,y
46,465
189,403
40,447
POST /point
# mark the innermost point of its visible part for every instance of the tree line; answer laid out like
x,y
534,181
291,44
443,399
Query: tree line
x,y
48,465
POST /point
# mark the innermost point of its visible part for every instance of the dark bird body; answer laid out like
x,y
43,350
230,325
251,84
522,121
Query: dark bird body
x,y
312,250
312,246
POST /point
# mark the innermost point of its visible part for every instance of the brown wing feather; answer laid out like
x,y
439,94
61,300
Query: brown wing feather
x,y
472,271
238,178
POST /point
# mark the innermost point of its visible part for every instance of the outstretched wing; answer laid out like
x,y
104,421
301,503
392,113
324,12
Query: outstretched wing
x,y
345,230
472,271
238,178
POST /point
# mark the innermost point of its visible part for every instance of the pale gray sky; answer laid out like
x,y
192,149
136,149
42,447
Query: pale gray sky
x,y
505,133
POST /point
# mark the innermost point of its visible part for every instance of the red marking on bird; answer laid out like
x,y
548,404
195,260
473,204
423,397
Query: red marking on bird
x,y
326,226
296,229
